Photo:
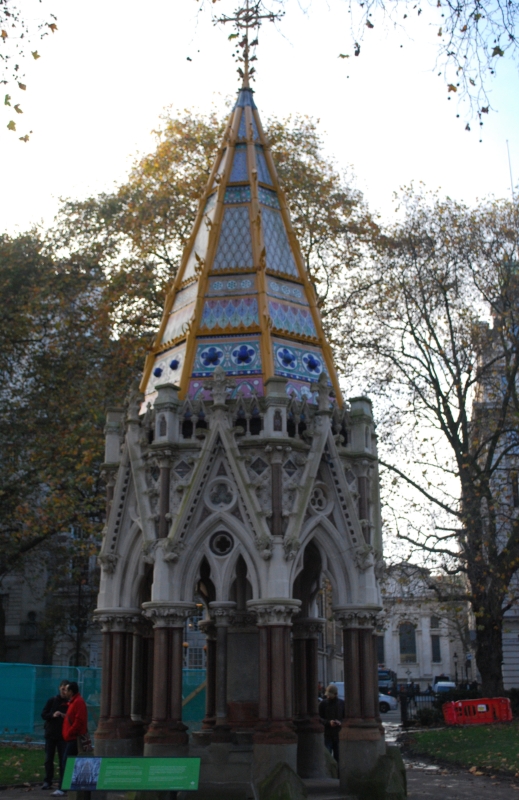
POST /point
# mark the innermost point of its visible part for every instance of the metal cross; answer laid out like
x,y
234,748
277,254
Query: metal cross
x,y
245,19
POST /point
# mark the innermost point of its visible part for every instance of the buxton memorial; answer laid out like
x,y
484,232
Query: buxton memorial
x,y
239,476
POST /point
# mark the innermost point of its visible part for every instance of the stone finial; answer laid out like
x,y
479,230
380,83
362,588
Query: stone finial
x,y
323,392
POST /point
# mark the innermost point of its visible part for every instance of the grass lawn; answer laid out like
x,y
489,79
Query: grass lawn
x,y
20,764
478,747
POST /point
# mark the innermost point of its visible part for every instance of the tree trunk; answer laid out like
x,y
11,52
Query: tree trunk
x,y
489,654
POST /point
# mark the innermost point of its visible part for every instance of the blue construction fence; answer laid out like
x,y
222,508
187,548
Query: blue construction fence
x,y
25,688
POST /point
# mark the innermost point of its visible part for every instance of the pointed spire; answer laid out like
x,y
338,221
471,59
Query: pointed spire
x,y
242,303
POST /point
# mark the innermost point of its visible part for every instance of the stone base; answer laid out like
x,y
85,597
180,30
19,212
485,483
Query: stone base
x,y
281,784
266,758
311,759
166,750
112,748
371,771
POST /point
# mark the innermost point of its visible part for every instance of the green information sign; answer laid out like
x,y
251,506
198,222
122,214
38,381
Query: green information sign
x,y
131,774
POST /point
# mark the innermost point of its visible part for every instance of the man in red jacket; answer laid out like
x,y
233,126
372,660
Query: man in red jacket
x,y
75,723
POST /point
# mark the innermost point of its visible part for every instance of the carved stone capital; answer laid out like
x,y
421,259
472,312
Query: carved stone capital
x,y
168,615
242,622
357,616
222,612
172,549
108,562
275,610
117,620
291,546
148,550
208,628
308,627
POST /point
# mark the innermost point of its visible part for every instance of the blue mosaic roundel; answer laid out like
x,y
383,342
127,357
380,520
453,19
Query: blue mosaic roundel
x,y
174,364
211,357
312,363
157,372
286,358
243,354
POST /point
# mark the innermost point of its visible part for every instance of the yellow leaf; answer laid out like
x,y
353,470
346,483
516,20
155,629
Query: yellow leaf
x,y
7,100
52,26
22,86
11,126
369,24
452,88
342,55
24,138
35,54
440,32
233,36
464,29
497,51
18,109
4,34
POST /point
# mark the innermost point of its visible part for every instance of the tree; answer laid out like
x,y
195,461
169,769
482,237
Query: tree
x,y
17,36
61,366
431,323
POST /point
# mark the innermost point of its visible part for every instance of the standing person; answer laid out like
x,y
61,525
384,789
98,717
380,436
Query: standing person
x,y
53,713
331,713
75,723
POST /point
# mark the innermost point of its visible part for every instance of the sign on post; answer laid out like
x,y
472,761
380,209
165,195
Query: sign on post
x,y
89,773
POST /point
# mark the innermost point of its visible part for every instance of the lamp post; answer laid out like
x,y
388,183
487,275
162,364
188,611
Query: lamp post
x,y
455,659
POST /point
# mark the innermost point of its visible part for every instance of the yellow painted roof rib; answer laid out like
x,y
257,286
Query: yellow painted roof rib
x,y
242,298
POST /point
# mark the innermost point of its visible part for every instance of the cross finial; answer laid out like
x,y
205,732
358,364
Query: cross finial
x,y
247,20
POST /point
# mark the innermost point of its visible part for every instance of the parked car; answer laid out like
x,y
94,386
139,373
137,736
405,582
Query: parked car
x,y
444,686
385,701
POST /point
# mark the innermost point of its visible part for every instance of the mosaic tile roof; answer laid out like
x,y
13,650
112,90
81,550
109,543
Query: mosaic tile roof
x,y
241,279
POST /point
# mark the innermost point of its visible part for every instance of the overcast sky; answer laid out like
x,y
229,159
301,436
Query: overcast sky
x,y
105,77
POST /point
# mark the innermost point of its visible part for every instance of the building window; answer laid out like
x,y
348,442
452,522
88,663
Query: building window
x,y
407,643
436,650
435,622
196,658
380,650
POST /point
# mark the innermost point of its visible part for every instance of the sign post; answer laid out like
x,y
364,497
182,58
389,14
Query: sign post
x,y
89,773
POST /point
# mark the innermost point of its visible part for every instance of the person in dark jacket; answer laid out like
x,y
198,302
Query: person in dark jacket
x,y
53,712
75,725
331,713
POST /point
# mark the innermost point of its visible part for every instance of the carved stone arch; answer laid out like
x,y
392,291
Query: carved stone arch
x,y
201,543
128,567
252,576
308,580
337,560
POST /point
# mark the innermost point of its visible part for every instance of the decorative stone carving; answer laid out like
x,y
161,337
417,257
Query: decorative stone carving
x,y
219,385
275,611
264,544
222,612
308,627
168,615
364,557
357,616
116,620
108,562
291,545
172,549
148,551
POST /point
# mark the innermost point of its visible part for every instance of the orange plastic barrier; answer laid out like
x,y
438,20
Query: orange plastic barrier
x,y
477,712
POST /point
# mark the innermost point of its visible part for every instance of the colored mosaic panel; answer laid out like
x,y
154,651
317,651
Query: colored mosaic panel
x,y
200,246
198,389
292,319
210,203
239,170
298,362
237,194
237,312
245,98
286,291
243,133
279,254
234,285
301,390
263,172
267,197
237,357
178,323
235,244
167,368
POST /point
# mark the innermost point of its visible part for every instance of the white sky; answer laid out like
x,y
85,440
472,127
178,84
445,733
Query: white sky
x,y
114,65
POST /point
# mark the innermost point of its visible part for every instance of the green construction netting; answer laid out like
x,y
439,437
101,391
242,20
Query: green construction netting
x,y
25,688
